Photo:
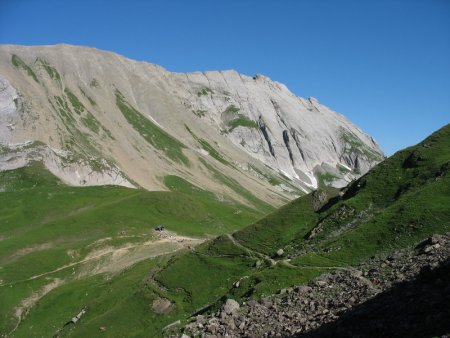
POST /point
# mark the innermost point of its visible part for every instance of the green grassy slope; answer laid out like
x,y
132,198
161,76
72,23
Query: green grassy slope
x,y
399,202
47,228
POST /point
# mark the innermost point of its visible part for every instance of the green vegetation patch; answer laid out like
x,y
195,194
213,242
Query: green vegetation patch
x,y
122,305
278,229
325,179
46,225
208,147
154,135
51,71
414,216
199,113
242,121
94,83
76,104
42,210
91,122
358,147
222,246
176,183
25,146
4,149
90,99
219,214
204,91
273,180
19,63
237,188
78,141
313,259
231,109
31,176
202,279
272,279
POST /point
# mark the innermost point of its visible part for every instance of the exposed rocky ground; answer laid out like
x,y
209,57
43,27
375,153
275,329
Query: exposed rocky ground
x,y
406,294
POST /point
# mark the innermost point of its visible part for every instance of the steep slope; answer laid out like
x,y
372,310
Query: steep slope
x,y
397,204
400,200
373,299
94,117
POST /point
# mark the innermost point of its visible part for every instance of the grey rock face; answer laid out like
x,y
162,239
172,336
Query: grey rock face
x,y
8,110
298,136
63,94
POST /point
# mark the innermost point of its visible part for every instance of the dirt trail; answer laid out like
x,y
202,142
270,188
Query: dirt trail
x,y
106,260
250,251
27,250
25,306
168,238
286,262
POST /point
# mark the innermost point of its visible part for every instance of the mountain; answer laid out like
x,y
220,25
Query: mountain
x,y
94,118
87,261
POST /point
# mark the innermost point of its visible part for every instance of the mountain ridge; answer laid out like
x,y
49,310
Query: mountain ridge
x,y
91,103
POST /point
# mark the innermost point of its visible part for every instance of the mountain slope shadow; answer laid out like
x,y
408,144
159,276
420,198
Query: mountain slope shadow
x,y
418,308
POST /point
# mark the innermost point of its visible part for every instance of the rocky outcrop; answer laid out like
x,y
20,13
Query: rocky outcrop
x,y
8,110
320,198
404,294
321,136
230,307
68,168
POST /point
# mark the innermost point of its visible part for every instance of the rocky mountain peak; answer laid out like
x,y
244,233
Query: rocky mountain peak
x,y
137,122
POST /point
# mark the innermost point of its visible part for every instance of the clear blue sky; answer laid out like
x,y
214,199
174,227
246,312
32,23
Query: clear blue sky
x,y
385,64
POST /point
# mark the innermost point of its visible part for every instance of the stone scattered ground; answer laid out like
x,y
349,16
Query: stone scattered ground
x,y
406,294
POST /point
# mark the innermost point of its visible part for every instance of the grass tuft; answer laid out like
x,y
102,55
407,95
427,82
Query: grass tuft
x,y
242,121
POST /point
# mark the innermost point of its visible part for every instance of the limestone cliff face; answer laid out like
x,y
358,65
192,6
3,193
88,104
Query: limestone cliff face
x,y
299,137
95,117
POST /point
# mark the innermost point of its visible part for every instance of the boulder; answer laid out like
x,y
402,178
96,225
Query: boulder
x,y
231,306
